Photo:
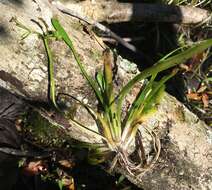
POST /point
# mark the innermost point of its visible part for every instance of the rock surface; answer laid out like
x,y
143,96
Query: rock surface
x,y
186,159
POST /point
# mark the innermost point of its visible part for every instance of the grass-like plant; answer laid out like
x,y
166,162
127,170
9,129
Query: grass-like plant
x,y
118,131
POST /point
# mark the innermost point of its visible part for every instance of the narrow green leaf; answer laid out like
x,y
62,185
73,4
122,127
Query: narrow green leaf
x,y
151,99
62,33
162,65
98,155
115,124
51,72
140,99
108,76
101,122
60,184
100,81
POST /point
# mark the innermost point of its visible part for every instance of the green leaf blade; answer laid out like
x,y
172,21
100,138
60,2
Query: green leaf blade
x,y
62,34
161,66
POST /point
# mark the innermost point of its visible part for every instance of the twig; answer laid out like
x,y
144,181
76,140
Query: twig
x,y
111,40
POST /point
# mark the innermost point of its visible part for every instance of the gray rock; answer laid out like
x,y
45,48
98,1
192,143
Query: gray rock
x,y
185,161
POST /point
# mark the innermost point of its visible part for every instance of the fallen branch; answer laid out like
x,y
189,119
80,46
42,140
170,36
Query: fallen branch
x,y
95,24
114,12
158,13
101,27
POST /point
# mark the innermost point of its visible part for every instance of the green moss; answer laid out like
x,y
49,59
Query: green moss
x,y
42,132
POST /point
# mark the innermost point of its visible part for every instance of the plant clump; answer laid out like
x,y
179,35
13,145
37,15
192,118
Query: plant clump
x,y
120,131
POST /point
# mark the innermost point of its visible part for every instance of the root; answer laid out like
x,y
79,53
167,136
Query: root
x,y
137,170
